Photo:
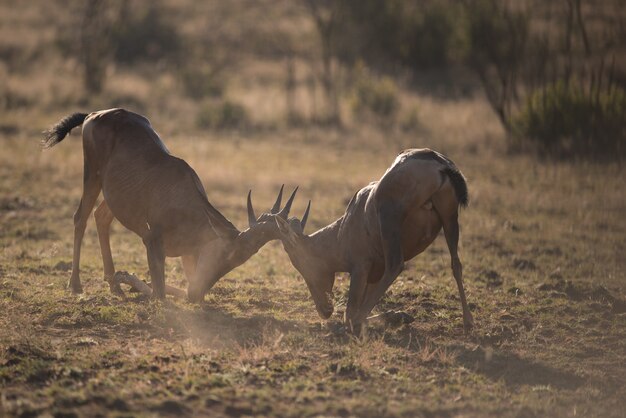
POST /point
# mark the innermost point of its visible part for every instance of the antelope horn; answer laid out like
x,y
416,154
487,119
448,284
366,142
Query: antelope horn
x,y
306,216
276,206
285,212
251,216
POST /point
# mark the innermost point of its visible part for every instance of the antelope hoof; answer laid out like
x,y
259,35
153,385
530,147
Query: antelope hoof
x,y
194,296
356,328
468,324
76,288
157,295
114,287
326,313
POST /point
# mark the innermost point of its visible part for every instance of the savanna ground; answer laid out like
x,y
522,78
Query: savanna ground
x,y
542,244
542,247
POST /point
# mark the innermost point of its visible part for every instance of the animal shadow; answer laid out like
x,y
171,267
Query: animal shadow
x,y
515,370
495,363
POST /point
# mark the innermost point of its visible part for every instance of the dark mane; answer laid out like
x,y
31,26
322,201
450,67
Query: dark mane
x,y
428,154
216,218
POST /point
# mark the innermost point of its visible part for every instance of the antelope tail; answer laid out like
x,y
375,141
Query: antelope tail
x,y
56,133
459,183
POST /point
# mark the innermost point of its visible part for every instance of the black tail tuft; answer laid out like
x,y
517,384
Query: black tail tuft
x,y
56,133
459,183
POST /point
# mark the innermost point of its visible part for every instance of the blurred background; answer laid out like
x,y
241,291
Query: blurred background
x,y
530,75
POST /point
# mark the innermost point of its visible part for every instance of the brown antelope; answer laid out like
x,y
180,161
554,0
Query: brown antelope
x,y
160,198
386,223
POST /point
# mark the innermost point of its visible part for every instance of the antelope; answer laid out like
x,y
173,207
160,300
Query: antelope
x,y
160,198
385,224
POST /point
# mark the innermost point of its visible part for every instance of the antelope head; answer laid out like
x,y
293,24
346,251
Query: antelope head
x,y
232,247
307,256
262,229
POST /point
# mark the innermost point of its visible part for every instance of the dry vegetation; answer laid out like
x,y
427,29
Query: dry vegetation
x,y
542,244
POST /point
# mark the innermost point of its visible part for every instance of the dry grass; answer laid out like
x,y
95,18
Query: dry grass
x,y
542,245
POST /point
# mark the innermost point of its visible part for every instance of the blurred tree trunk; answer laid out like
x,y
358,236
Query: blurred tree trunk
x,y
324,13
498,39
94,45
574,12
290,89
313,94
581,26
99,18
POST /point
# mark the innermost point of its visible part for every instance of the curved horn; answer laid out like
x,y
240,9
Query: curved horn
x,y
306,216
251,216
285,212
276,206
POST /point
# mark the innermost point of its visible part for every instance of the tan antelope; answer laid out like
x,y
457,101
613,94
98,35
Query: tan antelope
x,y
386,223
160,198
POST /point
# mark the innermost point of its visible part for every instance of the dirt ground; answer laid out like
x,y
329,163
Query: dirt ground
x,y
542,244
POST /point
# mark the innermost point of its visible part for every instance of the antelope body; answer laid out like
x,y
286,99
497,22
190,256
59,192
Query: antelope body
x,y
385,224
160,198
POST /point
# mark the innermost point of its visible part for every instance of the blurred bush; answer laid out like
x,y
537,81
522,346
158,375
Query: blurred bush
x,y
200,81
145,34
224,114
11,99
126,32
375,97
170,56
410,120
565,118
438,37
415,34
497,39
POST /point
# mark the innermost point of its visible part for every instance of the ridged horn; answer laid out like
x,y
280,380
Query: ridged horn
x,y
306,216
251,216
285,211
276,206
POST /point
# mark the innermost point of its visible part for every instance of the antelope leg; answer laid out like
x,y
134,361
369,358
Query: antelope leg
x,y
356,294
91,190
156,261
448,213
391,234
104,217
122,277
